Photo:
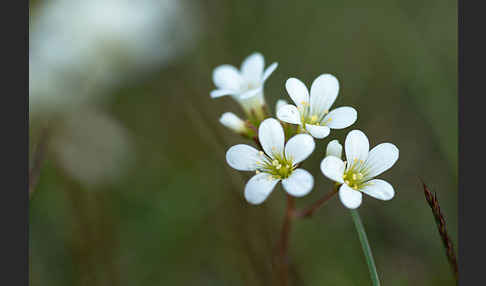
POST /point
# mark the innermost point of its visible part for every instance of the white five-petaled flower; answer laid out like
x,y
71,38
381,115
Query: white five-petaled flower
x,y
277,162
312,112
244,85
356,175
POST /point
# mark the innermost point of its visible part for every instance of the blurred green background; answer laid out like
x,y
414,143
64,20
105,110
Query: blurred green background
x,y
176,214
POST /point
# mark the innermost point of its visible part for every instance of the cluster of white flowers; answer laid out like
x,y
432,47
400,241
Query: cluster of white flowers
x,y
279,160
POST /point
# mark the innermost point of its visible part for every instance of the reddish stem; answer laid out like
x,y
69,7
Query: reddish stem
x,y
309,211
284,239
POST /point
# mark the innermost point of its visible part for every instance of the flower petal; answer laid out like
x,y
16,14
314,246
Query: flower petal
x,y
259,187
250,93
271,136
227,77
298,92
252,68
349,197
243,157
379,189
299,147
356,147
221,92
333,168
381,158
334,148
341,117
317,131
289,113
271,68
324,91
299,183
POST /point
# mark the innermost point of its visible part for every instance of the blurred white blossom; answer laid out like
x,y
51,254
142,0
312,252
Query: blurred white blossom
x,y
92,147
79,52
94,44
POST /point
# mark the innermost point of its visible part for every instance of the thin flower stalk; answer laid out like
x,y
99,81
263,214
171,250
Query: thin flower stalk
x,y
366,247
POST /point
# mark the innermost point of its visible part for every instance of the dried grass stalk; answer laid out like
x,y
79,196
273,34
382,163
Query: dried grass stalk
x,y
441,226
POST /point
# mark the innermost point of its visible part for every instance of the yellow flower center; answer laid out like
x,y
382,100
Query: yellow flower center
x,y
353,179
355,175
314,119
279,167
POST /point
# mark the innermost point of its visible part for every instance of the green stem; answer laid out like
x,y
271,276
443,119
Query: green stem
x,y
366,247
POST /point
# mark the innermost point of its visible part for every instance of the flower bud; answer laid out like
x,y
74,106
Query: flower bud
x,y
334,148
233,122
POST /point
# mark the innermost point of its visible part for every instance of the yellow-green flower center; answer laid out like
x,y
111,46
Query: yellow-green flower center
x,y
315,119
279,167
353,179
356,175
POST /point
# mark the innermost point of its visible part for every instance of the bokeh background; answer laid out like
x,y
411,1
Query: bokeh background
x,y
134,188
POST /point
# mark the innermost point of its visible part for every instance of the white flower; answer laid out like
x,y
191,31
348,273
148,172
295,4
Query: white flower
x,y
233,122
277,162
91,147
312,112
244,85
357,174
